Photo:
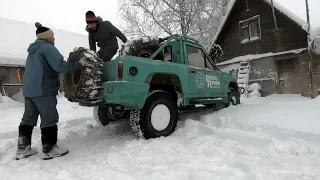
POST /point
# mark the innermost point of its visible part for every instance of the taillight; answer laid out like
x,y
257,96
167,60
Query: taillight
x,y
120,70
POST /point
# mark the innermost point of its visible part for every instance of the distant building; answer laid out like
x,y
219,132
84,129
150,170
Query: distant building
x,y
276,48
13,50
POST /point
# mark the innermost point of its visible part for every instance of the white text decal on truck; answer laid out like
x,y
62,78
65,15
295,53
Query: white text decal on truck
x,y
212,81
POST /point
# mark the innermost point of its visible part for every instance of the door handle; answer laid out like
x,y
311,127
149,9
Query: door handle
x,y
192,71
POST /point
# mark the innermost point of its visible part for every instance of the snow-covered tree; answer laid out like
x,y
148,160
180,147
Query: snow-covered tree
x,y
196,18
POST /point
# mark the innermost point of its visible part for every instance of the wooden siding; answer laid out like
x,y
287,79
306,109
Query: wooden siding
x,y
289,36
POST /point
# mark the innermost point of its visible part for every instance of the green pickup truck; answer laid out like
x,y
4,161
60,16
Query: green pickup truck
x,y
151,84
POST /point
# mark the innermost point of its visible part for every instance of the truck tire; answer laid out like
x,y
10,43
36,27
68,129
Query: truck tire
x,y
104,114
83,85
100,114
158,117
233,97
143,47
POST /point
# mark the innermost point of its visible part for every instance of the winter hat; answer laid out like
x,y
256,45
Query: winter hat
x,y
91,17
43,32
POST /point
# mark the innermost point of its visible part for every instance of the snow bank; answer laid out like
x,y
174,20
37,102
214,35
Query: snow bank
x,y
236,143
254,86
254,93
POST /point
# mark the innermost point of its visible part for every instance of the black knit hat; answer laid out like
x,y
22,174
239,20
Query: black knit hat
x,y
91,17
43,32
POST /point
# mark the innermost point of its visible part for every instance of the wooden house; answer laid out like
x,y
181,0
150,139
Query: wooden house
x,y
275,43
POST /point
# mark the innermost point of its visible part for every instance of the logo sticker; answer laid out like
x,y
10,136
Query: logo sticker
x,y
212,81
200,80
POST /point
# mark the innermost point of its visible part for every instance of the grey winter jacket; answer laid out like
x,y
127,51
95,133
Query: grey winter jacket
x,y
43,65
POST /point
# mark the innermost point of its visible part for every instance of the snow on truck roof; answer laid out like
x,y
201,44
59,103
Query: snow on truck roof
x,y
303,24
16,36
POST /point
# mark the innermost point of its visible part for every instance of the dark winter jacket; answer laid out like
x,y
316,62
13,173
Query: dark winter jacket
x,y
44,63
105,35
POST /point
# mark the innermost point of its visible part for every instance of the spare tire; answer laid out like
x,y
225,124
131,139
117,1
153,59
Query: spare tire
x,y
142,47
83,85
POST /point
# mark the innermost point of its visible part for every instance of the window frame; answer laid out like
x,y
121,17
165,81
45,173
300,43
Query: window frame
x,y
249,21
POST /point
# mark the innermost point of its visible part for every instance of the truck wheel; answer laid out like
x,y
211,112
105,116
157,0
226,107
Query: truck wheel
x,y
233,97
142,47
83,85
158,117
104,114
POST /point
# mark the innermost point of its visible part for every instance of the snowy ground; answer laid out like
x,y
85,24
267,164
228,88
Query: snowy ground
x,y
271,138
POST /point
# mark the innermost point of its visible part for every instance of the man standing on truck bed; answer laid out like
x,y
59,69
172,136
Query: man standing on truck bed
x,y
105,34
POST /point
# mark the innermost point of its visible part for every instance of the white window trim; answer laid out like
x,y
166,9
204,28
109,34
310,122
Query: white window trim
x,y
240,28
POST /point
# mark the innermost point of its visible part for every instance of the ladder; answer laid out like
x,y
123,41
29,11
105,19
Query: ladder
x,y
243,76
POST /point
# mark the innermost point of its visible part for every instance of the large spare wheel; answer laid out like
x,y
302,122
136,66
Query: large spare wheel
x,y
141,47
82,86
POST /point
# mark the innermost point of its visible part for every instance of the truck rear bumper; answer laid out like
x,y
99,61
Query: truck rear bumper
x,y
125,93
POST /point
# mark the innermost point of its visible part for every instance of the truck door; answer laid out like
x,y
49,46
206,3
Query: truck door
x,y
204,81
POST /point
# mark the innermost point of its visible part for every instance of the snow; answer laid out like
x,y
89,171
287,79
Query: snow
x,y
254,93
315,45
258,56
262,139
13,49
254,86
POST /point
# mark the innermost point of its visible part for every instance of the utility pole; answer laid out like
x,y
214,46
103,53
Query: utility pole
x,y
274,16
309,53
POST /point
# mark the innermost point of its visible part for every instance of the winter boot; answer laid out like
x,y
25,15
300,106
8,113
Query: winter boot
x,y
50,149
24,149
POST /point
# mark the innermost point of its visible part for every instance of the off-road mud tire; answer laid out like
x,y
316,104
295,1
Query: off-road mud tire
x,y
82,85
140,120
143,47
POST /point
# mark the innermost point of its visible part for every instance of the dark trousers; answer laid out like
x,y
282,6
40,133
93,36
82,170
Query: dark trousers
x,y
46,107
107,53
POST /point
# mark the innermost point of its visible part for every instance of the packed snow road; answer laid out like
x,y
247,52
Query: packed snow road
x,y
276,137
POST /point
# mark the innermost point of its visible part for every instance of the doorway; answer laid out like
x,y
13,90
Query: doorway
x,y
288,76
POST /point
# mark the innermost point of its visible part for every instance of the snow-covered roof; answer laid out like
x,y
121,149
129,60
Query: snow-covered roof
x,y
16,37
276,5
12,62
258,56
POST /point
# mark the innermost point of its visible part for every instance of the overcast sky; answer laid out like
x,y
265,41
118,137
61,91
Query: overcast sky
x,y
70,14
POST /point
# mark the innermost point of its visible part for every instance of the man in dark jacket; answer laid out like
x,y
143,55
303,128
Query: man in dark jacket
x,y
105,34
40,88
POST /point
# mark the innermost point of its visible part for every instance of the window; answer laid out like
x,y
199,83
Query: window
x,y
250,29
195,57
167,53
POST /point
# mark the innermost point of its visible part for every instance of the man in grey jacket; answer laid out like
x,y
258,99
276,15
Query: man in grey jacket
x,y
40,88
105,34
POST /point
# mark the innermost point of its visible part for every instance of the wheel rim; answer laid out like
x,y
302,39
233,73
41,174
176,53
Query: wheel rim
x,y
114,114
144,54
160,117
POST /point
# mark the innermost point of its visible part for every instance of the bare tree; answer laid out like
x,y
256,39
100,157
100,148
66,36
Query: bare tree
x,y
196,18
